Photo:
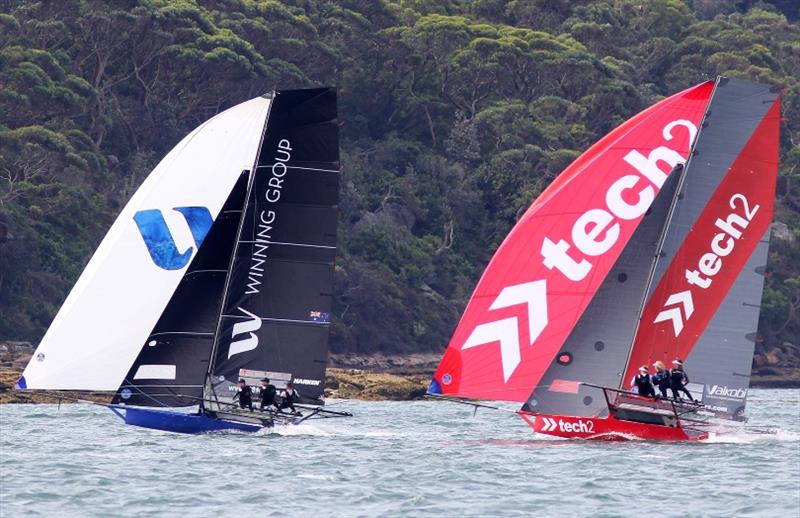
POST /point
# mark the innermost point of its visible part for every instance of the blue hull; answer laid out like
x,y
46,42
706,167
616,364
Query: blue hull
x,y
178,422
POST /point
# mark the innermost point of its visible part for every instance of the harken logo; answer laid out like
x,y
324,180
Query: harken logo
x,y
248,328
159,240
506,330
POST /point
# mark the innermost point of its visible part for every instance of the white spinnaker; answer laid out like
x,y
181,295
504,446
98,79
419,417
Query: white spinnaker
x,y
101,327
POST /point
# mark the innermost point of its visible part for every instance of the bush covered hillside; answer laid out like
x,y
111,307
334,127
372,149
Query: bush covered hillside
x,y
456,114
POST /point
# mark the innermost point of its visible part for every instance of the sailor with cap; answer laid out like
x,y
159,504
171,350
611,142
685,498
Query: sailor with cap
x,y
643,383
678,379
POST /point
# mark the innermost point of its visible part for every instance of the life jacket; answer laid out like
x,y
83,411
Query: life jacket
x,y
661,378
290,397
678,377
245,396
267,395
643,384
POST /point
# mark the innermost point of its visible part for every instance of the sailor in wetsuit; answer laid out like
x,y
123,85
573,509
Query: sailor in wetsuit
x,y
290,397
661,378
245,395
678,380
268,393
643,383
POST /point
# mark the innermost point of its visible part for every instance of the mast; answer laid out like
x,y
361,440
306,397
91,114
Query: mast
x,y
243,214
663,236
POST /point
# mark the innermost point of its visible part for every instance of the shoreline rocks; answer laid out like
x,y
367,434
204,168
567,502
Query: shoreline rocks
x,y
366,377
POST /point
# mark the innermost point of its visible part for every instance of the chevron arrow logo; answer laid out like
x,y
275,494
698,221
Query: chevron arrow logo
x,y
506,330
678,301
549,424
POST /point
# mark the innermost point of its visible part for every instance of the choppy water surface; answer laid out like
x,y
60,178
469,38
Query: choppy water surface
x,y
420,458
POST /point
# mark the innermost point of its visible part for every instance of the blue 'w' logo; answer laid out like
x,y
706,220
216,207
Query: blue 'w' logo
x,y
159,240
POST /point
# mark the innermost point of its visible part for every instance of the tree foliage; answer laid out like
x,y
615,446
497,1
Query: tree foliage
x,y
456,116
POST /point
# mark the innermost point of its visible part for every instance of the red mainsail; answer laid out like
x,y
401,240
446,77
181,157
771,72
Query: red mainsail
x,y
715,250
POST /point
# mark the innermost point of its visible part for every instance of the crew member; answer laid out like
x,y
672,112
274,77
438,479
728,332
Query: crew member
x,y
661,378
643,384
290,397
678,380
245,395
268,393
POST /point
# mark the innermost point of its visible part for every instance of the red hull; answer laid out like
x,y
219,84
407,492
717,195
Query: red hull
x,y
606,428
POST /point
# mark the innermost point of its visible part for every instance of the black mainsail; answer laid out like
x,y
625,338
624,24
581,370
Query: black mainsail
x,y
276,308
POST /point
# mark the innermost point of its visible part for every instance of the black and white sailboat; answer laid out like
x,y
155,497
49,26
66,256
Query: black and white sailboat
x,y
246,295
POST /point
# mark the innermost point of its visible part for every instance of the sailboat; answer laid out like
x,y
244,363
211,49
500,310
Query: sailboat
x,y
651,246
218,269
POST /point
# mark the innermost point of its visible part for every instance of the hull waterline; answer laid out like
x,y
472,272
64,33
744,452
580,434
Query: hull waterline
x,y
179,422
607,428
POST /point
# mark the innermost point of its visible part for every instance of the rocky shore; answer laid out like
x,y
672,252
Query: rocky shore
x,y
380,376
349,377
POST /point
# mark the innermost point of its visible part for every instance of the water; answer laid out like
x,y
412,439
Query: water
x,y
394,458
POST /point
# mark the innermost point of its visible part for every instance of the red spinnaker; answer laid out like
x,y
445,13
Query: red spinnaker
x,y
714,252
550,265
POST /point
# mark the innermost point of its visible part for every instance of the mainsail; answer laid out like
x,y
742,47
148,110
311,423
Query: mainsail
x,y
554,260
276,308
121,294
720,221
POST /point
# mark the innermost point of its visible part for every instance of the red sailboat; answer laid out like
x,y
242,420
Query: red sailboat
x,y
651,246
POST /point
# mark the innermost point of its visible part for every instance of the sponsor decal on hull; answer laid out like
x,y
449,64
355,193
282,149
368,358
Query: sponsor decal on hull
x,y
550,424
310,382
722,391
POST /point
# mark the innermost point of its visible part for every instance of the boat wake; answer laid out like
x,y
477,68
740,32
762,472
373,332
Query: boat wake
x,y
760,435
324,430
